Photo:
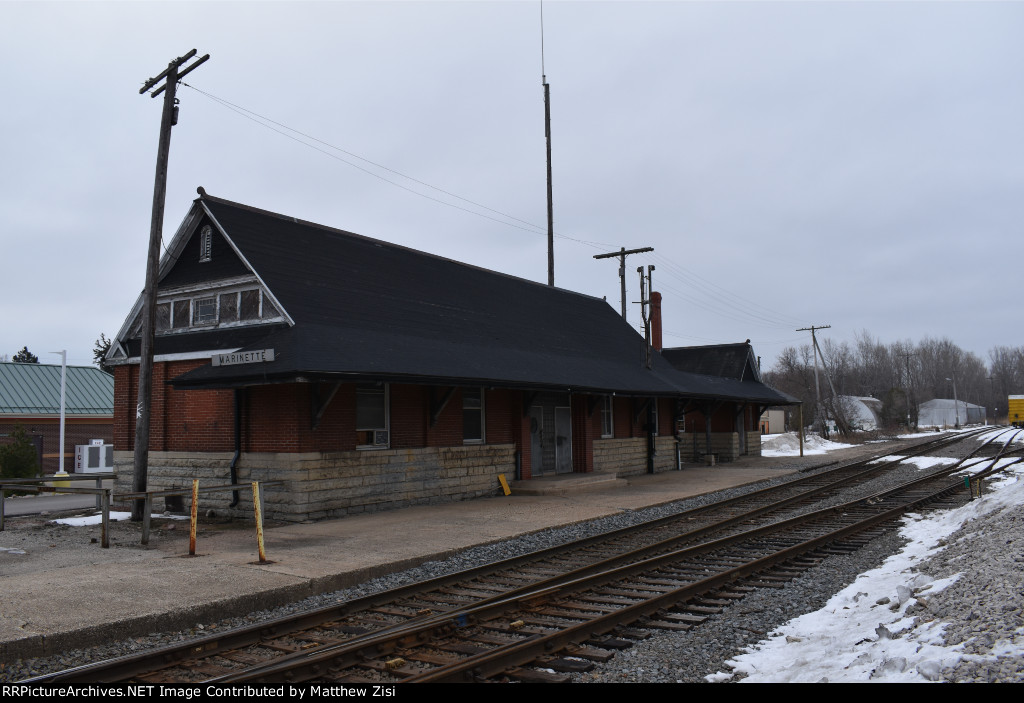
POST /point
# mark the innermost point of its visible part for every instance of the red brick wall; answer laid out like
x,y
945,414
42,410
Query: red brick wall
x,y
180,420
623,409
278,417
586,427
447,431
125,389
503,410
723,419
76,431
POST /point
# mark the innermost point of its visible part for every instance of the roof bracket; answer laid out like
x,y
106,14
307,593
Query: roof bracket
x,y
437,406
528,399
641,410
319,404
683,408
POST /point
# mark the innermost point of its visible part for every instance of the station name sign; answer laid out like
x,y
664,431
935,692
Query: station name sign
x,y
247,357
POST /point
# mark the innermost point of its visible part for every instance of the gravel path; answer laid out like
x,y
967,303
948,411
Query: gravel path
x,y
993,590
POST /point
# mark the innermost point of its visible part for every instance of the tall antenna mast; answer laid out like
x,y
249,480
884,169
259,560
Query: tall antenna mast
x,y
547,135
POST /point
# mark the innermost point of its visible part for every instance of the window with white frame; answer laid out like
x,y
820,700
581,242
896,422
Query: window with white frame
x,y
372,416
204,311
472,415
607,423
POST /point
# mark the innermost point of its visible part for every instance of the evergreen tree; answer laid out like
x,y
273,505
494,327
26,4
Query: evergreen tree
x,y
99,352
18,459
25,357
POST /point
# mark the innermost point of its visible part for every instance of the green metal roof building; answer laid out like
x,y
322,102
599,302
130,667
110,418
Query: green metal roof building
x,y
30,397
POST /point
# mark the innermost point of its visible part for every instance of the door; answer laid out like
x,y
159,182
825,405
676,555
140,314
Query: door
x,y
536,441
563,441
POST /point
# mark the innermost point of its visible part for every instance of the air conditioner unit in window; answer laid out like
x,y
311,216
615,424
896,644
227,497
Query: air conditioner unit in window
x,y
380,437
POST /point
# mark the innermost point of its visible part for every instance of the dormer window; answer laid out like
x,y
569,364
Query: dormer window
x,y
205,244
213,308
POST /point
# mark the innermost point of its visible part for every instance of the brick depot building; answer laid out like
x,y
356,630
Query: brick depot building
x,y
370,376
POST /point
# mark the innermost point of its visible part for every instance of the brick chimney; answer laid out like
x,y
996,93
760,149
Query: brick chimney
x,y
656,320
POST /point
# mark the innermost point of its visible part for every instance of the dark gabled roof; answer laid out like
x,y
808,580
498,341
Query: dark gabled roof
x,y
34,389
367,309
735,361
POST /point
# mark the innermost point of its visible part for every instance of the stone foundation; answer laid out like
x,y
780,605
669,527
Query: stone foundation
x,y
628,456
725,445
321,485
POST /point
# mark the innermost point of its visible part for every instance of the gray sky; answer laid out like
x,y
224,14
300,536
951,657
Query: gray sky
x,y
857,164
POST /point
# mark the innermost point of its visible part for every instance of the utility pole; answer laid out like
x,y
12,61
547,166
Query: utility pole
x,y
645,288
817,388
547,136
906,358
622,254
551,213
168,119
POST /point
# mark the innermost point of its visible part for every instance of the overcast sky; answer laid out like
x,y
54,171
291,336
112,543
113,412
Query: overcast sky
x,y
857,164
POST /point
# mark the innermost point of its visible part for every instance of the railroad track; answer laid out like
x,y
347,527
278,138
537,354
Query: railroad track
x,y
316,644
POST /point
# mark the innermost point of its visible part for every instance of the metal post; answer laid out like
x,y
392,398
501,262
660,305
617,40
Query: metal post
x,y
105,509
801,429
194,518
258,512
63,394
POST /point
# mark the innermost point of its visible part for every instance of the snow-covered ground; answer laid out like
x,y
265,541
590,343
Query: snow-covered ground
x,y
788,444
880,628
114,515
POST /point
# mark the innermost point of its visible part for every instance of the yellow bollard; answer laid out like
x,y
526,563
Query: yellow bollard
x,y
258,511
194,519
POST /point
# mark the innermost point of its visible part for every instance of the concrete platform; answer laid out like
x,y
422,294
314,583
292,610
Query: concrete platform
x,y
65,591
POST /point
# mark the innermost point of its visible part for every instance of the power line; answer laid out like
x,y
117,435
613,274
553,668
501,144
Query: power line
x,y
269,123
724,296
723,302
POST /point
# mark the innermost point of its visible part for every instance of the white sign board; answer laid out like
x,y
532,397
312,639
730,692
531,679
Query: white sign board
x,y
246,357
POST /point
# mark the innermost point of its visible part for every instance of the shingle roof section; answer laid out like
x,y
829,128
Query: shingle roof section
x,y
34,389
367,308
726,360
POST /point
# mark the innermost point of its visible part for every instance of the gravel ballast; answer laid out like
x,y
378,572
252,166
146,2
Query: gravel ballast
x,y
984,608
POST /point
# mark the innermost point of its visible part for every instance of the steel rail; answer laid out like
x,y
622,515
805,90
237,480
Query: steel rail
x,y
303,666
131,665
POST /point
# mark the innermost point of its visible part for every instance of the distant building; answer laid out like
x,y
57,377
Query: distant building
x,y
30,397
863,413
945,412
773,421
